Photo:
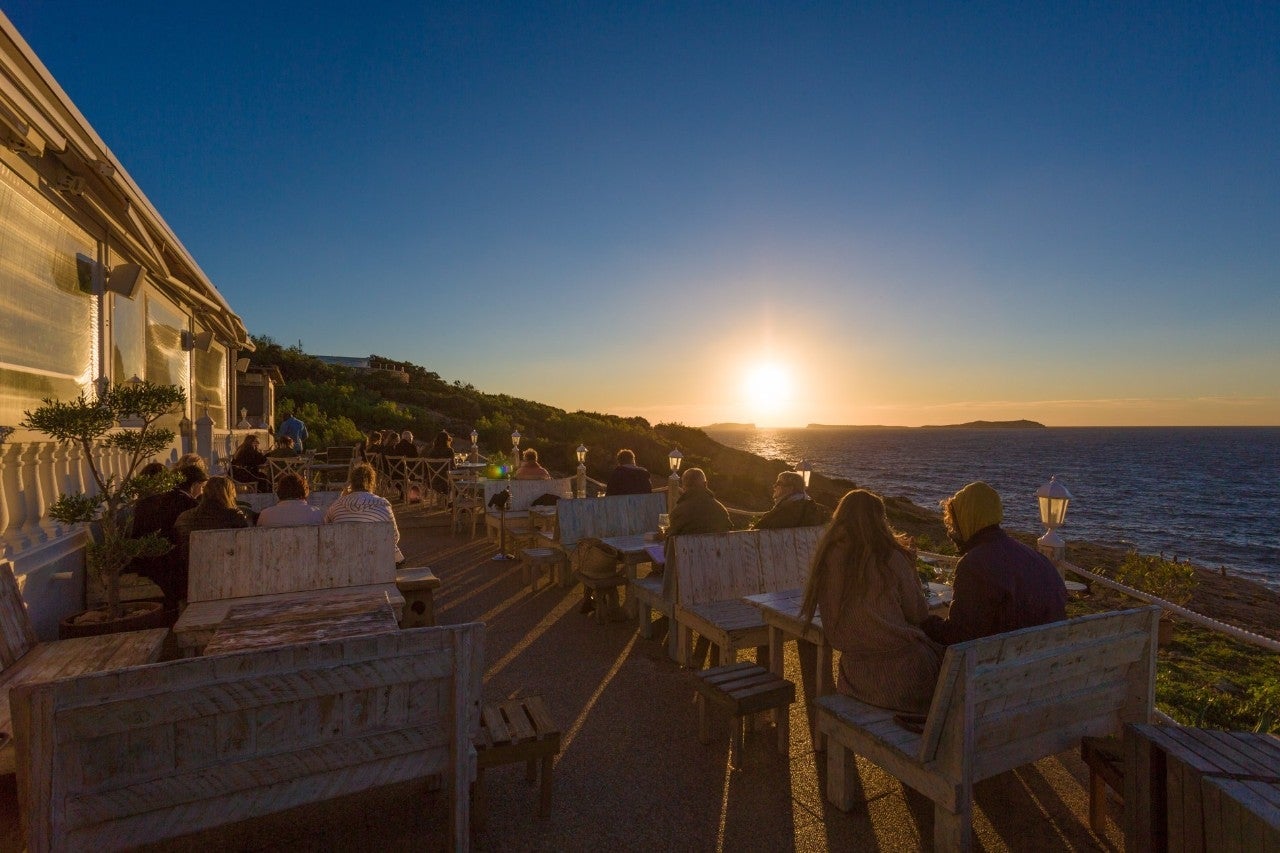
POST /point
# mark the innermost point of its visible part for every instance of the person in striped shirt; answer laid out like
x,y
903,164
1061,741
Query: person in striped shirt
x,y
359,503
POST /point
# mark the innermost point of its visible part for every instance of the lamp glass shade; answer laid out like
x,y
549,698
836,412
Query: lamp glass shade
x,y
1053,498
515,438
674,458
475,436
582,454
806,471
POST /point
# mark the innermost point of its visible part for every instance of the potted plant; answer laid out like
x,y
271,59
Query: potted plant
x,y
1167,579
92,424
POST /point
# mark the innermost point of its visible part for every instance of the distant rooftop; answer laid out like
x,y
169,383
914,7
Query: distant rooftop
x,y
345,361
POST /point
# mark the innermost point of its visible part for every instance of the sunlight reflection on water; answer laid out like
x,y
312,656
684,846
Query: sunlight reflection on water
x,y
1210,494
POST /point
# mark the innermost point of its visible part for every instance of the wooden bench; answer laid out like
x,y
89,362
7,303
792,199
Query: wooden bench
x,y
523,493
596,518
230,567
24,659
517,730
115,761
708,574
744,689
1105,759
1001,702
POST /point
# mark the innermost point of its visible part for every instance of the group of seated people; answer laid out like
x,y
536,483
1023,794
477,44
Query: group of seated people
x,y
200,502
864,585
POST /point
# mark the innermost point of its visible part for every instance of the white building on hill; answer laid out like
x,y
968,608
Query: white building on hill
x,y
94,286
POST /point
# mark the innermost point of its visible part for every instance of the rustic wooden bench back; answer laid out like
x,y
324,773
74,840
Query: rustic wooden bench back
x,y
268,560
114,761
1000,702
525,492
17,637
722,566
1006,700
620,515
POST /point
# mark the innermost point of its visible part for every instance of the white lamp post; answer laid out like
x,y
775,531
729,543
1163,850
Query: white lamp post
x,y
475,448
1053,498
806,471
515,449
582,470
674,458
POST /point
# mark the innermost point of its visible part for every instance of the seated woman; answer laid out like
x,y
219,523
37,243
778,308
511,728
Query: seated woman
x,y
863,584
247,462
441,448
216,510
530,469
291,509
359,503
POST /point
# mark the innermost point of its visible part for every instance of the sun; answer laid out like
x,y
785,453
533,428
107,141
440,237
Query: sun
x,y
767,387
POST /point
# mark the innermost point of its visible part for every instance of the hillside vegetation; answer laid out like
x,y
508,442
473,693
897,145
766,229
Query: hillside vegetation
x,y
338,404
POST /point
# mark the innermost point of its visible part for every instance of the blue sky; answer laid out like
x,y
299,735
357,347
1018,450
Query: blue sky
x,y
781,213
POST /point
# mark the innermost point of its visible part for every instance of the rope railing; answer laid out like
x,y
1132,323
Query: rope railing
x,y
1181,612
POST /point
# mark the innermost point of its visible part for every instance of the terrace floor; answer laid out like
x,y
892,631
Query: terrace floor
x,y
631,774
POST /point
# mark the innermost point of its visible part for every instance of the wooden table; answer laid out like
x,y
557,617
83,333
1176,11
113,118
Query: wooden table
x,y
632,550
1181,782
288,620
197,625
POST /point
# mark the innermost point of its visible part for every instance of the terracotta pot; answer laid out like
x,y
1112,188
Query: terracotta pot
x,y
139,615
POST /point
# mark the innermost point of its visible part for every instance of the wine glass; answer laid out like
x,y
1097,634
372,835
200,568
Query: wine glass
x,y
664,521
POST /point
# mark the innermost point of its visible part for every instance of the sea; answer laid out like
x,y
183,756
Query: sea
x,y
1207,494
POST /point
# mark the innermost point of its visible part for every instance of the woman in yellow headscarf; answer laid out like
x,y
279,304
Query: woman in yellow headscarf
x,y
1000,584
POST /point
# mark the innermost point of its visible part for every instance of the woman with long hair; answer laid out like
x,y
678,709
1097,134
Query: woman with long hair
x,y
216,510
863,584
247,462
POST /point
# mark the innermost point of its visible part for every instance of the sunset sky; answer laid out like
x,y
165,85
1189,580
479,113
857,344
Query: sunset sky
x,y
783,213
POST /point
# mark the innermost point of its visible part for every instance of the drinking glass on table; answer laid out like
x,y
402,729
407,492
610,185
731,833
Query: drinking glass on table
x,y
664,521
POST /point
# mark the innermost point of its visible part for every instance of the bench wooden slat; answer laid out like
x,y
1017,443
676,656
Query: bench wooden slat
x,y
518,722
116,760
961,746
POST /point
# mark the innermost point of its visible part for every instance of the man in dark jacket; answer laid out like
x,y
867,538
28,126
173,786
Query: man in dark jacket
x,y
1000,584
158,514
792,505
628,478
697,510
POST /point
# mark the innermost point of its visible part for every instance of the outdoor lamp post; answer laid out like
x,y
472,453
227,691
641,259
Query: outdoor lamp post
x,y
673,482
475,448
1053,498
806,470
581,485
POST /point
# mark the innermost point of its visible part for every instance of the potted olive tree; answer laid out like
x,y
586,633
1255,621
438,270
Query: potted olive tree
x,y
92,424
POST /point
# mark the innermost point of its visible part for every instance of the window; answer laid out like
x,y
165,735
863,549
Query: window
x,y
48,325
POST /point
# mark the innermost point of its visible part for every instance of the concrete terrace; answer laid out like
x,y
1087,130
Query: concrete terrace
x,y
631,774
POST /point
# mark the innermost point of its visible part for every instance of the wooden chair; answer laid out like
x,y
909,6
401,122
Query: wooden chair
x,y
23,658
277,465
436,472
1001,702
413,475
467,495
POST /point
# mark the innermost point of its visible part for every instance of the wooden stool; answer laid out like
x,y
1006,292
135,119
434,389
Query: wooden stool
x,y
744,689
1105,760
534,559
516,730
605,593
418,588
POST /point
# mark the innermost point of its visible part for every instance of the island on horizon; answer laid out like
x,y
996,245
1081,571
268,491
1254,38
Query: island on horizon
x,y
1021,424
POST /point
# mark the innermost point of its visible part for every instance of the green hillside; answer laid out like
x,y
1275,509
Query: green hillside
x,y
338,404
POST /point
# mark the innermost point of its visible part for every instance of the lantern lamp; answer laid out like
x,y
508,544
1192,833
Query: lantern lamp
x,y
582,454
1053,498
674,458
515,438
806,471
